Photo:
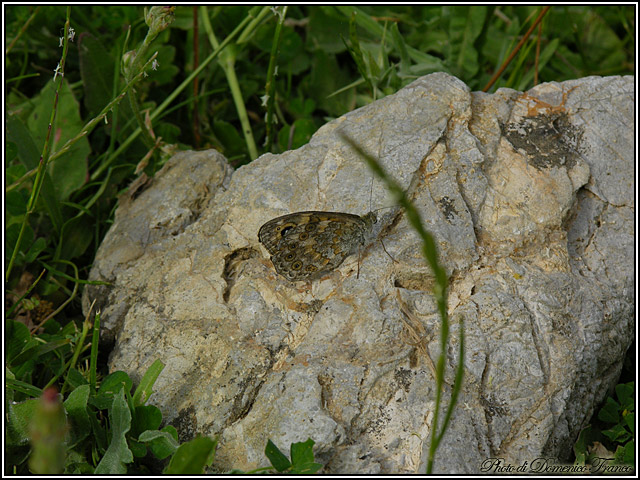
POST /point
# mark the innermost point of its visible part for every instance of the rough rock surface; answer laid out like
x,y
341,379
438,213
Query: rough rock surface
x,y
530,197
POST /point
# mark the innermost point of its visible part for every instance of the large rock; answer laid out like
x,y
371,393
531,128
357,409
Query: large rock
x,y
530,198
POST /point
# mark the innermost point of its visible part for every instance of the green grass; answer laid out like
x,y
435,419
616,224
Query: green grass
x,y
247,81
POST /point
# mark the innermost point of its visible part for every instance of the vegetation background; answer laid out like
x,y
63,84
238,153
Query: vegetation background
x,y
124,88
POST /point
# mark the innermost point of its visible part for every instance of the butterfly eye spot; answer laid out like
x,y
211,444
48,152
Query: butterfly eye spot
x,y
310,227
311,268
304,236
292,246
290,256
297,265
285,229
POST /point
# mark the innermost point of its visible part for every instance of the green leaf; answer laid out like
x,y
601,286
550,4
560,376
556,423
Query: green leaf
x,y
629,419
580,447
29,156
356,52
325,78
11,238
96,71
278,459
99,432
118,454
163,443
35,249
401,47
624,392
617,434
302,458
77,235
145,389
324,31
111,385
192,457
18,418
77,464
306,468
304,128
229,137
11,153
629,456
16,202
17,336
609,412
68,172
75,379
465,25
76,407
167,68
147,417
546,55
37,349
23,387
138,449
302,452
302,107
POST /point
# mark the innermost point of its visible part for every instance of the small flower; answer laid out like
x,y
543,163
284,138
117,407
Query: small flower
x,y
155,64
275,71
61,40
277,12
72,34
57,71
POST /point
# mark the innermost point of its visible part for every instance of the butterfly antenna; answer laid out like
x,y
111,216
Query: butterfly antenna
x,y
385,251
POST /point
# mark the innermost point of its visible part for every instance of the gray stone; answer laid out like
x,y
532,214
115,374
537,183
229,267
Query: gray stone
x,y
530,198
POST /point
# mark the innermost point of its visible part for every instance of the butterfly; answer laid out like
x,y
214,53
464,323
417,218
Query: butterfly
x,y
306,245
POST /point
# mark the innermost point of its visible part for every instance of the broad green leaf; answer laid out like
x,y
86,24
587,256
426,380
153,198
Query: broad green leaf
x,y
304,128
96,71
278,459
629,419
111,385
11,238
77,235
17,336
624,392
29,156
16,202
76,407
629,456
68,172
617,434
609,412
118,454
302,458
192,457
302,452
147,417
35,249
18,417
75,379
162,443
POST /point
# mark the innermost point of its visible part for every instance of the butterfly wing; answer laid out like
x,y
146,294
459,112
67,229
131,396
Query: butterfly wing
x,y
306,245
